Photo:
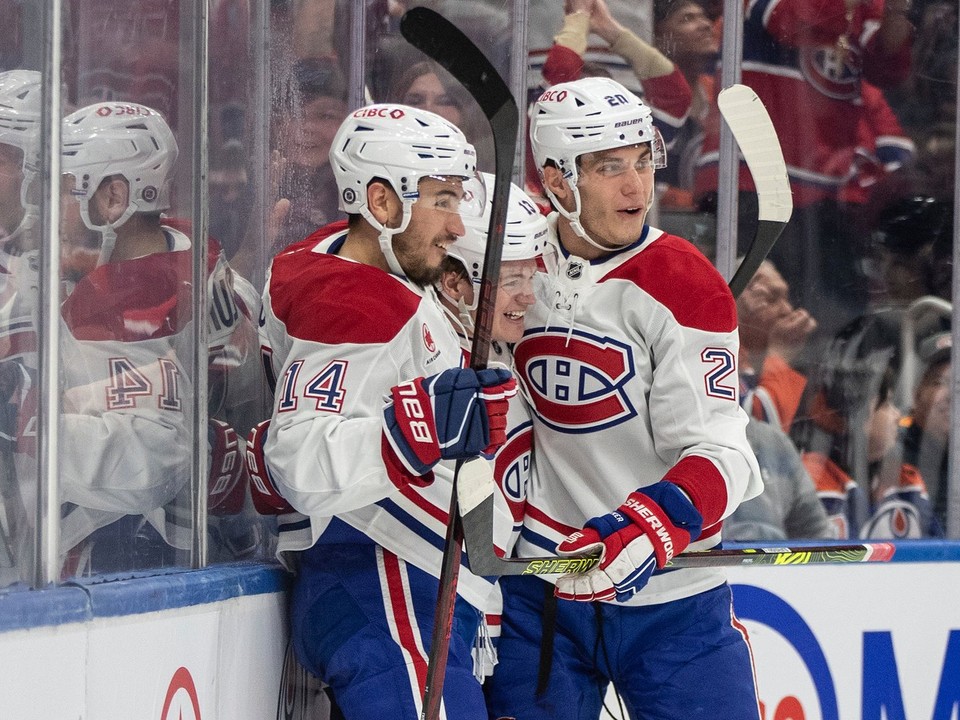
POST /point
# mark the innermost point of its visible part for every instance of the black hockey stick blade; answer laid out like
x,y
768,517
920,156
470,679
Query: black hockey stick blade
x,y
476,490
438,38
756,137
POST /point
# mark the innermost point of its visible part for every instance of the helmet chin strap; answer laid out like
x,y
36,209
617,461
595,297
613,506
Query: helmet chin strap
x,y
386,234
574,217
465,320
108,231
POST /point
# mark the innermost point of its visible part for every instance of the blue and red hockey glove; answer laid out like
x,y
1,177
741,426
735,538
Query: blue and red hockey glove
x,y
638,537
266,498
227,486
457,414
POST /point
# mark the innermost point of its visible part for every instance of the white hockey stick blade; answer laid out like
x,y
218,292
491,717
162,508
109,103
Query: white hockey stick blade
x,y
756,137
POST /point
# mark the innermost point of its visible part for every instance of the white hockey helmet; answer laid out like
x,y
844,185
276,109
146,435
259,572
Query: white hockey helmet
x,y
524,237
20,128
117,138
584,116
401,145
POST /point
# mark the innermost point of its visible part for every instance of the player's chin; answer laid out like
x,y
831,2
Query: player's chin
x,y
508,330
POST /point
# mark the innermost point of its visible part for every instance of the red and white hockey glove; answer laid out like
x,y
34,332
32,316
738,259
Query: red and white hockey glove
x,y
228,469
266,498
639,536
458,413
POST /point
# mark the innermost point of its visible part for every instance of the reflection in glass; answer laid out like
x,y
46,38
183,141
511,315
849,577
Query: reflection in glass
x,y
19,264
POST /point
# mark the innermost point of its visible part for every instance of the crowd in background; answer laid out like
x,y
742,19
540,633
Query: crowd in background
x,y
845,333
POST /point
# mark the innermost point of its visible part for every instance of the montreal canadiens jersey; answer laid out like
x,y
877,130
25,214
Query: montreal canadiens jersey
x,y
127,386
811,88
339,335
630,363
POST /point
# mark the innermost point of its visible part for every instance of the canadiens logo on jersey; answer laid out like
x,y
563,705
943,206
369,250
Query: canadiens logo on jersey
x,y
576,380
833,72
512,467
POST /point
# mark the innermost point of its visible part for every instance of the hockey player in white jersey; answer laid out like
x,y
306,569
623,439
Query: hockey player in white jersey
x,y
371,401
522,258
127,383
629,357
19,279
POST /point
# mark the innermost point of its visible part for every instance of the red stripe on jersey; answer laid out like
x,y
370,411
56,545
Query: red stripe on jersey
x,y
327,299
18,343
680,278
421,502
401,617
541,517
140,299
702,481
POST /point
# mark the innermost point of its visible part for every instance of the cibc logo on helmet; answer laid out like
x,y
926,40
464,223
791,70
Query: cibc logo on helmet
x,y
395,113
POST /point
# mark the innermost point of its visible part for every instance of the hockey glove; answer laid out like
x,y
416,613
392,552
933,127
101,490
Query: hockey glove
x,y
641,535
457,414
266,498
228,469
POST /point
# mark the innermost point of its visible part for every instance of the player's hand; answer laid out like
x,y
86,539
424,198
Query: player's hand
x,y
640,536
266,498
457,414
227,486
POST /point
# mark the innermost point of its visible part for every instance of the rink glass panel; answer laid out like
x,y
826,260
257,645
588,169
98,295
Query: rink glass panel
x,y
274,96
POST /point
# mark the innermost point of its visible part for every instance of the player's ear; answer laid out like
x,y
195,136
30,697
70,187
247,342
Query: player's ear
x,y
554,181
111,199
382,202
455,286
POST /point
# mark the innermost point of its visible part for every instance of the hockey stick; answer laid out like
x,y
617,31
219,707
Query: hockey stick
x,y
476,503
443,42
753,131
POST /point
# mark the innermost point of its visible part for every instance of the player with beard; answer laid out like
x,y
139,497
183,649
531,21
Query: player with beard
x,y
372,403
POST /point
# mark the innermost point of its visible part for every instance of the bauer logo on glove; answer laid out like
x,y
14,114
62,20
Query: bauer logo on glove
x,y
457,414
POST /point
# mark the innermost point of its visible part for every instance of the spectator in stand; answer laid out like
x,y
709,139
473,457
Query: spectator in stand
x,y
773,333
911,497
428,86
306,115
806,60
849,428
546,19
684,32
789,506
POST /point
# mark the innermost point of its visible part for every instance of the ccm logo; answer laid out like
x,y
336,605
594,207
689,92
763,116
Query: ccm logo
x,y
395,113
413,410
555,95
